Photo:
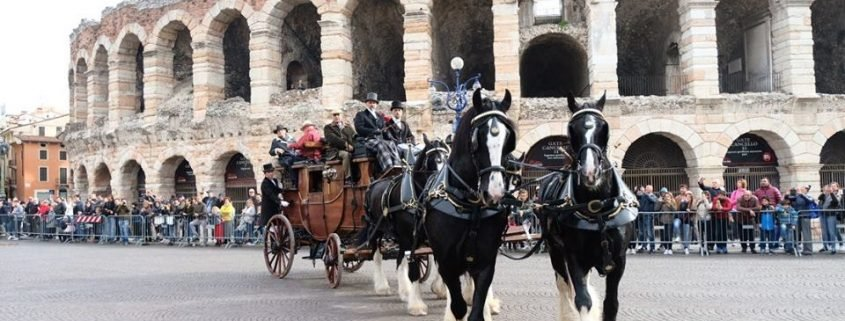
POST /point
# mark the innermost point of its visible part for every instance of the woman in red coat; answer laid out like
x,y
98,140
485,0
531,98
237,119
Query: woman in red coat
x,y
721,218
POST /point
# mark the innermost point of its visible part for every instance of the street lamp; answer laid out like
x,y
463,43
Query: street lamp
x,y
459,95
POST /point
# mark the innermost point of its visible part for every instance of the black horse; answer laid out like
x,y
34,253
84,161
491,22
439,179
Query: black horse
x,y
464,220
587,216
392,206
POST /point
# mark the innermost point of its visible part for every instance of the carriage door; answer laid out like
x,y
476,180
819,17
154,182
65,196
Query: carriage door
x,y
186,182
239,179
547,152
750,157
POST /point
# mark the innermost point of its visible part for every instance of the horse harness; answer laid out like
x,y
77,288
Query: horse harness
x,y
465,202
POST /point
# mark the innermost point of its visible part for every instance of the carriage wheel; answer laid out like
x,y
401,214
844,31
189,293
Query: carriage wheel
x,y
353,264
279,243
333,260
425,267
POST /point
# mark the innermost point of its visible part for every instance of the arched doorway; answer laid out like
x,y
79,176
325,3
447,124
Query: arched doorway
x,y
102,180
239,179
134,181
744,42
553,65
829,46
185,183
301,44
81,181
648,33
236,57
378,56
463,28
548,152
833,160
752,158
655,160
99,104
174,48
131,70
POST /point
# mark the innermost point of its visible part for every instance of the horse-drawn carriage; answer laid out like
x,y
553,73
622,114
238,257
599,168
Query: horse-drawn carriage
x,y
326,215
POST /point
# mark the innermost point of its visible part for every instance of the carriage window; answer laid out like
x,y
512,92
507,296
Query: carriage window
x,y
316,181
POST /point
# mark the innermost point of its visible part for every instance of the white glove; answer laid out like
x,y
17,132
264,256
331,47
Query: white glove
x,y
285,204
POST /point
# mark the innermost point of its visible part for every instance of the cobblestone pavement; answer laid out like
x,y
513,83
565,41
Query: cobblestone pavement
x,y
48,281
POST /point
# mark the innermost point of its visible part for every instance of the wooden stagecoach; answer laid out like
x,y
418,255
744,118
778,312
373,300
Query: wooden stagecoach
x,y
327,215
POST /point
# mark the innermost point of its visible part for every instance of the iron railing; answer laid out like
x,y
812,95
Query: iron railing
x,y
652,85
740,83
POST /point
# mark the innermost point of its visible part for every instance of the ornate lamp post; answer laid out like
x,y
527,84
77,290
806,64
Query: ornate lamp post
x,y
457,100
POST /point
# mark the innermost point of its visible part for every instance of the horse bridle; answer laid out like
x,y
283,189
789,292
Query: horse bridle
x,y
498,116
590,146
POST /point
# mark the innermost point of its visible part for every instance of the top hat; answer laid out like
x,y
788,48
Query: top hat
x,y
397,105
372,97
268,168
278,128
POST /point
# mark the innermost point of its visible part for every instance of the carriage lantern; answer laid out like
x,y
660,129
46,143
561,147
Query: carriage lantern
x,y
457,100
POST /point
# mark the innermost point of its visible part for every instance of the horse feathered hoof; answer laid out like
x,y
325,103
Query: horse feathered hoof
x,y
418,310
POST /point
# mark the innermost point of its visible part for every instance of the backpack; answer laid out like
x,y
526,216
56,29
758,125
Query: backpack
x,y
813,209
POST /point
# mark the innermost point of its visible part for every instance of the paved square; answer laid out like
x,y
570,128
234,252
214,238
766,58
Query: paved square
x,y
48,281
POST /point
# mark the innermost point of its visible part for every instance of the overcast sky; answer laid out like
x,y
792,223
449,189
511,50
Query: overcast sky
x,y
34,57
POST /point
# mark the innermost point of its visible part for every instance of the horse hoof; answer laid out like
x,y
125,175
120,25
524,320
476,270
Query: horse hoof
x,y
383,291
419,310
495,307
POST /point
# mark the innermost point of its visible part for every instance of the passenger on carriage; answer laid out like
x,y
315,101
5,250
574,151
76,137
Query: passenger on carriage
x,y
310,144
370,125
400,132
340,141
281,149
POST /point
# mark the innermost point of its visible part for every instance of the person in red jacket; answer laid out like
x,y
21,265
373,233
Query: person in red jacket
x,y
311,135
722,217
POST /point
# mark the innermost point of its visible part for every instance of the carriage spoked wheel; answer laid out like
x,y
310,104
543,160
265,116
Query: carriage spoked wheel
x,y
425,267
333,260
279,242
352,264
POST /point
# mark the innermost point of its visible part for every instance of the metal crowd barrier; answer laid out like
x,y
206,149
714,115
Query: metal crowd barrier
x,y
767,232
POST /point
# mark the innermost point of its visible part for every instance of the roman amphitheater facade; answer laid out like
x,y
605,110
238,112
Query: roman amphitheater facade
x,y
180,96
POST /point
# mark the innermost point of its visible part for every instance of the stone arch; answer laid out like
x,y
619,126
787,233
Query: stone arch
x,y
300,41
378,59
102,180
81,90
98,98
741,71
172,43
463,28
80,181
230,183
783,139
170,183
656,159
829,46
232,79
553,65
132,180
648,33
128,55
685,137
526,140
103,41
832,158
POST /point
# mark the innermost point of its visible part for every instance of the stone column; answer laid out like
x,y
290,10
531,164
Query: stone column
x,y
601,20
506,46
158,79
792,46
336,62
699,54
121,87
265,66
80,94
209,80
418,50
803,174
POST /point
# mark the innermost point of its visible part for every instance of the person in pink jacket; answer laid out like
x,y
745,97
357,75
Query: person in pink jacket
x,y
736,195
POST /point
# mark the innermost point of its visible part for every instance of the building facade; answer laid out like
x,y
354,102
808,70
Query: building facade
x,y
168,95
37,164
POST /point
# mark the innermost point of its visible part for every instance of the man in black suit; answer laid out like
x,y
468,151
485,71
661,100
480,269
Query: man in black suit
x,y
271,200
399,130
280,148
370,125
340,138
